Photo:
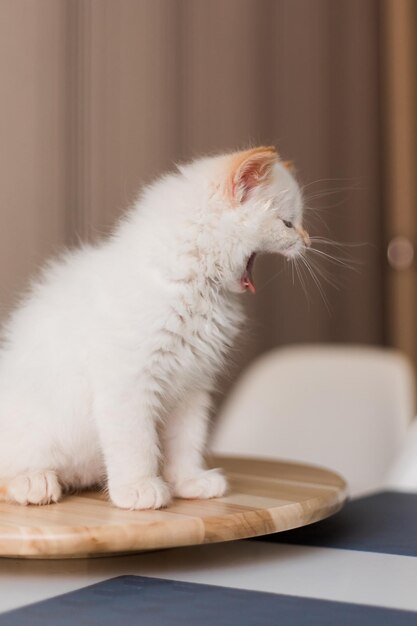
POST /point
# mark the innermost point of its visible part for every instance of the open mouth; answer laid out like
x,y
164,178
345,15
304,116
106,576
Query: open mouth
x,y
246,280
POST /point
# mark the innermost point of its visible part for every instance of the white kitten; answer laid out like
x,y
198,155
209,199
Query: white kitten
x,y
107,365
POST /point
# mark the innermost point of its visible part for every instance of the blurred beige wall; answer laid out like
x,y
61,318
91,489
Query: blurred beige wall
x,y
33,131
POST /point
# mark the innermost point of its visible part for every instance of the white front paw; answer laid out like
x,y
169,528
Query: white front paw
x,y
150,492
205,484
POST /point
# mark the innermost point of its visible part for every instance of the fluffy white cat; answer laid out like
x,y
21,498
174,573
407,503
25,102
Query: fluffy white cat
x,y
107,365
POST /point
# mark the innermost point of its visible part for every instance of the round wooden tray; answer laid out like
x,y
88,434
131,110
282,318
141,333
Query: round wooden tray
x,y
265,497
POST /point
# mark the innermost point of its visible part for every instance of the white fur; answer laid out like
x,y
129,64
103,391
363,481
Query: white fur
x,y
107,365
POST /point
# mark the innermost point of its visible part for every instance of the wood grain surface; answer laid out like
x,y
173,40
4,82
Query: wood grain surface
x,y
265,497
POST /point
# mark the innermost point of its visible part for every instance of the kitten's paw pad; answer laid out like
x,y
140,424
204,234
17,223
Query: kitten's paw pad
x,y
34,488
147,493
207,484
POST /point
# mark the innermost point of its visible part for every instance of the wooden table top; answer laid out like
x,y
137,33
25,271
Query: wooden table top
x,y
265,497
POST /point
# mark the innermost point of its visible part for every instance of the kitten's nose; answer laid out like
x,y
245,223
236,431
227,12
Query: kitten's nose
x,y
305,237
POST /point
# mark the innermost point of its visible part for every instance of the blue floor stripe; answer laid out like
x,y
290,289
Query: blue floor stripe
x,y
384,522
136,600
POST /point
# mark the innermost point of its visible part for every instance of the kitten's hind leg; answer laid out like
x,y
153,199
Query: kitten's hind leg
x,y
37,487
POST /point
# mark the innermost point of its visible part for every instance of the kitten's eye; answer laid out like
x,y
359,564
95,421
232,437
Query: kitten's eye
x,y
288,224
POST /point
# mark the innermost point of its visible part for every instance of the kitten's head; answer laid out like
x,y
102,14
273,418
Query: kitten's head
x,y
252,204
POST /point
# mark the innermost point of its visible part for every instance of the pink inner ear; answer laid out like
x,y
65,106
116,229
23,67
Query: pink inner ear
x,y
249,169
252,175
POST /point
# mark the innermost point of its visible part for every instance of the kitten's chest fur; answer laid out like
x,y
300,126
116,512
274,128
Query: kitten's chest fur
x,y
196,336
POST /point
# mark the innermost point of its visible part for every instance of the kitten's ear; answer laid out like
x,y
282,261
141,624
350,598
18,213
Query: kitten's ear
x,y
250,169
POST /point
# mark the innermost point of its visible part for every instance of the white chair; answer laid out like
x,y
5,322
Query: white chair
x,y
403,473
346,408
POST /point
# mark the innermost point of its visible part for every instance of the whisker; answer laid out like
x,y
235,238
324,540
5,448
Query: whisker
x,y
329,207
348,263
329,180
302,281
338,244
317,283
330,192
325,274
270,280
316,215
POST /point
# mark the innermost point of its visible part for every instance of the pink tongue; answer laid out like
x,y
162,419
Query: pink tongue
x,y
247,281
